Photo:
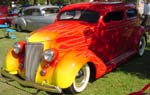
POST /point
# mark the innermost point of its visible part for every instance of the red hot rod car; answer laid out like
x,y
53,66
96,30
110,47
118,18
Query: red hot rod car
x,y
86,41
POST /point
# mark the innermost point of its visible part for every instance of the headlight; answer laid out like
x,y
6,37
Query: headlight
x,y
17,48
49,55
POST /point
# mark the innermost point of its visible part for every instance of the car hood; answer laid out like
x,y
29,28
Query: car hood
x,y
63,30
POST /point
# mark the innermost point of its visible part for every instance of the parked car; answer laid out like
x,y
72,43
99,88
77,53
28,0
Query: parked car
x,y
7,15
12,14
86,41
34,17
3,14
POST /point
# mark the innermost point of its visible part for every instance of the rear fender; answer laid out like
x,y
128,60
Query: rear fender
x,y
137,36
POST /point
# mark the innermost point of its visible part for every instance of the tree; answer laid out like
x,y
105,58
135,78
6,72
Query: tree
x,y
48,2
35,2
5,2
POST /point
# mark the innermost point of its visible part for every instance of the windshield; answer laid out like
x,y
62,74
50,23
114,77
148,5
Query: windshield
x,y
14,10
83,15
48,11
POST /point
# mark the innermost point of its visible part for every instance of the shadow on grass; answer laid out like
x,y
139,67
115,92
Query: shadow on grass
x,y
138,66
2,37
24,31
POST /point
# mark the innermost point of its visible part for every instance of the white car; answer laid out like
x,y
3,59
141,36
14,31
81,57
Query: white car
x,y
34,17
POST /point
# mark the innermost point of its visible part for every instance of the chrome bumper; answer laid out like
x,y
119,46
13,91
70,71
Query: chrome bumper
x,y
51,88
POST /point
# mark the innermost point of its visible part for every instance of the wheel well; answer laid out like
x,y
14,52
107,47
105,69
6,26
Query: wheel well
x,y
146,37
15,25
92,72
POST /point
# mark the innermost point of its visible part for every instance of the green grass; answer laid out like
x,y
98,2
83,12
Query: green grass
x,y
127,78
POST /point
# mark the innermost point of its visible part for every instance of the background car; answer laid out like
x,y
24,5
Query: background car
x,y
12,14
34,17
7,15
3,14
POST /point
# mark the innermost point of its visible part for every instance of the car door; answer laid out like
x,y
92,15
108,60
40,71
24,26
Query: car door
x,y
109,42
35,18
27,15
131,21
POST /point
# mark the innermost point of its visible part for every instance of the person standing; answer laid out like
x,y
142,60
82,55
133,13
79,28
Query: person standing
x,y
146,20
140,8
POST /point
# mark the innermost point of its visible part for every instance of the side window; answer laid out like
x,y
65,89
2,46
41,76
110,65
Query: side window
x,y
113,16
36,12
27,12
131,13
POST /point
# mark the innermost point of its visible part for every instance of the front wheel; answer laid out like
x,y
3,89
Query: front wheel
x,y
81,80
18,28
142,45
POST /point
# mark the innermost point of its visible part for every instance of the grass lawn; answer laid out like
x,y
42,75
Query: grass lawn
x,y
127,78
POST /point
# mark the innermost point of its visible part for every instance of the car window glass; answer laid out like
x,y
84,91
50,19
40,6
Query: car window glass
x,y
36,12
14,10
83,15
113,16
48,11
131,13
27,12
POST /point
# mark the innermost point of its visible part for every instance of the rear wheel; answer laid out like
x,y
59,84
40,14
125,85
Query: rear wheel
x,y
81,80
142,45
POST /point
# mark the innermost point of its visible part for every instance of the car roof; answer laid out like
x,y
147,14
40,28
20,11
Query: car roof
x,y
42,6
101,7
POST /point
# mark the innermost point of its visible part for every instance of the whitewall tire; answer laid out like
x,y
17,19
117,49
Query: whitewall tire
x,y
81,80
142,45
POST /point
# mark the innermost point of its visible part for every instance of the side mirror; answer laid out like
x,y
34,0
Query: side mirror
x,y
43,12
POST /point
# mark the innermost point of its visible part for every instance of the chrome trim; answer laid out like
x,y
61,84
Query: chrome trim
x,y
33,56
50,88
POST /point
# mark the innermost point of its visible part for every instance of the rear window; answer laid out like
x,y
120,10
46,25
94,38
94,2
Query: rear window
x,y
131,13
83,15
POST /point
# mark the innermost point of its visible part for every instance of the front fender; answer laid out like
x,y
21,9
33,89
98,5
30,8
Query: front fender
x,y
21,21
68,67
11,62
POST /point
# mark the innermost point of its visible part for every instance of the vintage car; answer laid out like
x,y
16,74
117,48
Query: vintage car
x,y
86,41
34,17
6,16
12,14
3,14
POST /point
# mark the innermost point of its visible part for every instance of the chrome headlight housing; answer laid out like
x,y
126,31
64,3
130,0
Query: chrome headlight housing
x,y
49,55
17,48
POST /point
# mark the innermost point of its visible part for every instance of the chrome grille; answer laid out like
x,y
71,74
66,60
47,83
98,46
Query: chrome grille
x,y
33,57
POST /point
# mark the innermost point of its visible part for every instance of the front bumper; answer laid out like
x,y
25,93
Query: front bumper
x,y
51,88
